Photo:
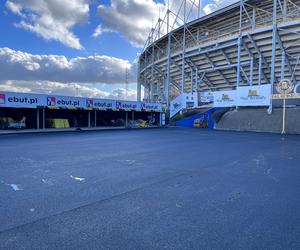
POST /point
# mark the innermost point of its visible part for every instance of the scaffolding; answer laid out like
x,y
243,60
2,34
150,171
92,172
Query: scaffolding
x,y
250,42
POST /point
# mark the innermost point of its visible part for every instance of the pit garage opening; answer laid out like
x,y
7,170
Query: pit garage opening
x,y
18,118
29,111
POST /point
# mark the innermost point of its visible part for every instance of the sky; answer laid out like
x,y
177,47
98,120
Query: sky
x,y
85,46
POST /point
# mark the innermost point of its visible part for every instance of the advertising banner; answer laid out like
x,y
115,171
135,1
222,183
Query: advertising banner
x,y
103,104
21,100
206,99
254,95
148,106
24,100
286,96
67,102
224,99
128,105
177,105
191,100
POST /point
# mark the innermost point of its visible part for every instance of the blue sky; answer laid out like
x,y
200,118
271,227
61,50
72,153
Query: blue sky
x,y
111,44
75,55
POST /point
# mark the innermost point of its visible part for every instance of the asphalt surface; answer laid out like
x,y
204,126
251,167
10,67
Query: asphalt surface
x,y
150,189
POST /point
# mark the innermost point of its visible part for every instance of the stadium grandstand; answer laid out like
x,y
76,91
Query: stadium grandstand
x,y
250,43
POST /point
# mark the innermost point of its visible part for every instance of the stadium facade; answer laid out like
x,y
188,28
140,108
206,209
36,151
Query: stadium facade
x,y
250,43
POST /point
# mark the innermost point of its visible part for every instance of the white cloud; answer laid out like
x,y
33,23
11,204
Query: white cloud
x,y
132,18
54,20
25,72
209,8
98,31
135,18
57,88
18,65
51,19
217,4
14,8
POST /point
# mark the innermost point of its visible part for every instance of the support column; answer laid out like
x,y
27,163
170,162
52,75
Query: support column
x,y
196,81
168,71
152,76
133,115
238,69
160,119
139,90
199,8
254,19
259,69
89,118
163,119
273,52
138,85
126,119
37,118
146,96
44,118
282,64
158,87
183,49
95,117
251,71
149,93
192,85
284,10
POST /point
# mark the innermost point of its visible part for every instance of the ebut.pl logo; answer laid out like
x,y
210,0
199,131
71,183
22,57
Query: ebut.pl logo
x,y
51,101
119,105
89,103
2,98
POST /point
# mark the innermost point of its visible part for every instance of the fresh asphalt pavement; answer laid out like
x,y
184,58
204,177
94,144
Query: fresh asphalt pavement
x,y
150,189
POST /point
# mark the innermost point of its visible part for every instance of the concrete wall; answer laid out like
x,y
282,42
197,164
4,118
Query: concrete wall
x,y
255,119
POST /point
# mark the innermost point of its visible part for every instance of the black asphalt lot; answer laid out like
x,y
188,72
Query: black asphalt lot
x,y
150,189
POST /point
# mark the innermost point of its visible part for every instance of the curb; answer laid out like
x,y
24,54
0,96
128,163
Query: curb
x,y
73,130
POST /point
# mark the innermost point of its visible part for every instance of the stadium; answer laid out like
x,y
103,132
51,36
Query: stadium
x,y
88,173
248,46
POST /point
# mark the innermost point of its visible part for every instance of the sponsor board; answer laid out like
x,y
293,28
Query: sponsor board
x,y
254,95
177,105
24,100
206,98
20,100
51,101
286,90
191,100
286,96
104,104
89,103
2,99
66,102
148,106
224,99
128,105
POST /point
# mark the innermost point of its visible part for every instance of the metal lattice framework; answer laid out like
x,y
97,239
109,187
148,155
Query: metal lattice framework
x,y
250,42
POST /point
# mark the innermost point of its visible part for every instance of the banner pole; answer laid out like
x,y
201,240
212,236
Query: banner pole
x,y
283,116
